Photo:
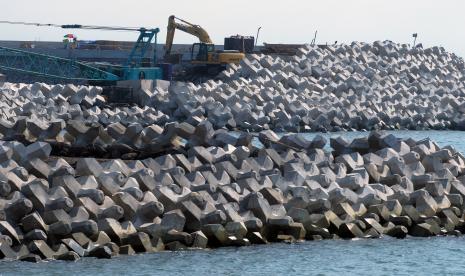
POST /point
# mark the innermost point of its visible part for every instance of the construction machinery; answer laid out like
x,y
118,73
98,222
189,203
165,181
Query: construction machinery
x,y
204,52
136,66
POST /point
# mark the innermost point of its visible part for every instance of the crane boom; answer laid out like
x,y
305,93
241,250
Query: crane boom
x,y
138,52
51,67
186,27
76,26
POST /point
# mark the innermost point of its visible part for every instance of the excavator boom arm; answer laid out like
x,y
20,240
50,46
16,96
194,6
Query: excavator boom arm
x,y
186,27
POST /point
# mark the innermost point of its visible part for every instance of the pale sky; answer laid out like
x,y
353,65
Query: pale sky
x,y
292,21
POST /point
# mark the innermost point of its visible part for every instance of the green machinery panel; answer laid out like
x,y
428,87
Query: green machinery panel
x,y
150,73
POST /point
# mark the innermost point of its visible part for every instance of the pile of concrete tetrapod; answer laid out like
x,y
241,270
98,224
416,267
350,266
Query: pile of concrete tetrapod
x,y
225,191
361,86
80,177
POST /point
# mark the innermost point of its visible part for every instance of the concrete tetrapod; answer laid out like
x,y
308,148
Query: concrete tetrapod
x,y
200,197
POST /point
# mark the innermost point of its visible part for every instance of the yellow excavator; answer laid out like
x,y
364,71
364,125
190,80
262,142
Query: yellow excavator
x,y
203,52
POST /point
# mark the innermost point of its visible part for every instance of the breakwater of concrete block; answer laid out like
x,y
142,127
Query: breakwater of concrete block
x,y
226,192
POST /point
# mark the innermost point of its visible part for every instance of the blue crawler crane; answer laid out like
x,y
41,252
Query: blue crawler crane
x,y
52,67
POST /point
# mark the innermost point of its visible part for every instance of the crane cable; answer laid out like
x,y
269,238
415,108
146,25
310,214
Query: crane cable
x,y
75,26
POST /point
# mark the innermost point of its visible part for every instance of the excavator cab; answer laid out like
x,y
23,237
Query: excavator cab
x,y
200,52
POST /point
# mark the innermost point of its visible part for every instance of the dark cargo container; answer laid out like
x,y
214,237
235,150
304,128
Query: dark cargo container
x,y
244,44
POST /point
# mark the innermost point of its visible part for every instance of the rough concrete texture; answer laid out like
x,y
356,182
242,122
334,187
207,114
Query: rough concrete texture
x,y
360,86
80,177
206,196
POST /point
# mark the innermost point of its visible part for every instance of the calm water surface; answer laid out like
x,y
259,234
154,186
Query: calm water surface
x,y
413,256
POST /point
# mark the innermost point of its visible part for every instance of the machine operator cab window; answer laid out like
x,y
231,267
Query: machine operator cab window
x,y
200,51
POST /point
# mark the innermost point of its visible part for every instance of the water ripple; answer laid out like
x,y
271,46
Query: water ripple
x,y
442,255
